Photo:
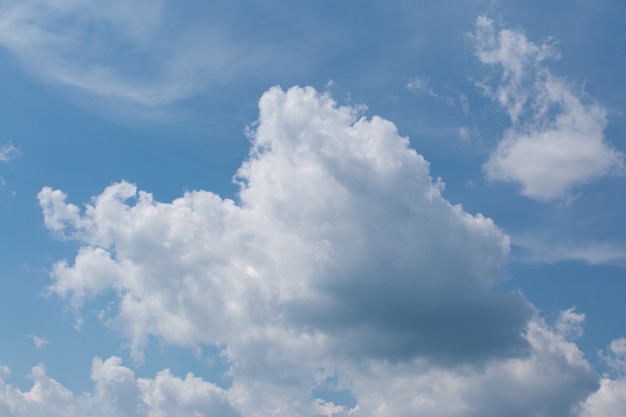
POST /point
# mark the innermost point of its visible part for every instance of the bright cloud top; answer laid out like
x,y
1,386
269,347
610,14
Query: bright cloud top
x,y
557,142
341,268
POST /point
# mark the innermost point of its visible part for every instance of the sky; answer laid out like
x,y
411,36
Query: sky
x,y
314,208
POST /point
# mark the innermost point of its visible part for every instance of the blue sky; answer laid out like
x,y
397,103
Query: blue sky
x,y
312,209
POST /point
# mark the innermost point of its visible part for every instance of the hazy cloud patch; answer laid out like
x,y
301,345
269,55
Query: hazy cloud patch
x,y
38,341
8,151
125,53
540,248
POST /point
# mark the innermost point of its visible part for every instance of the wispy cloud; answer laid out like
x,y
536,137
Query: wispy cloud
x,y
556,142
8,152
542,249
123,51
39,342
422,85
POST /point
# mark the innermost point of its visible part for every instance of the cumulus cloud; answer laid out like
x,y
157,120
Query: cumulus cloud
x,y
556,142
552,381
340,234
549,382
339,269
610,399
116,393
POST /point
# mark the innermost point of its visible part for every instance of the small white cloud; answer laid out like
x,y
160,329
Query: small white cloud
x,y
39,342
570,324
615,356
420,83
556,142
8,152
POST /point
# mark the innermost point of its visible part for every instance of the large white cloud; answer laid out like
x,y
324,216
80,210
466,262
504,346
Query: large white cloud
x,y
339,230
340,267
556,142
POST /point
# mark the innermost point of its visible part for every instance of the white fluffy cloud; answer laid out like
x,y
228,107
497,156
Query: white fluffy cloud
x,y
341,268
339,233
116,393
551,381
556,142
610,399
